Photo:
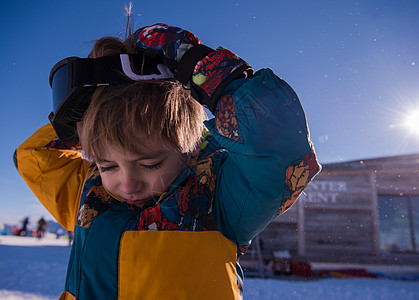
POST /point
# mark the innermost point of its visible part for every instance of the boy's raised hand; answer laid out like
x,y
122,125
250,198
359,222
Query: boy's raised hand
x,y
166,41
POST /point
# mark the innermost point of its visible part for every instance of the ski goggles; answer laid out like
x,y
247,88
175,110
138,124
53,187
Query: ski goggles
x,y
73,81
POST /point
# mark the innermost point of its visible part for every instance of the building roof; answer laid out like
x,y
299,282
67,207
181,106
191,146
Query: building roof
x,y
410,162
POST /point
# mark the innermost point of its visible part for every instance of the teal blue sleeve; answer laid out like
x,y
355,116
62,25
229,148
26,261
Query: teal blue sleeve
x,y
270,160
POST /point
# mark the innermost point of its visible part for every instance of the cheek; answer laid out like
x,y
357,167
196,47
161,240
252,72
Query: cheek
x,y
162,181
108,182
159,183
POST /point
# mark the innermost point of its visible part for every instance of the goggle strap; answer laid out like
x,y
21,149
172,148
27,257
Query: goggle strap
x,y
110,69
87,71
126,68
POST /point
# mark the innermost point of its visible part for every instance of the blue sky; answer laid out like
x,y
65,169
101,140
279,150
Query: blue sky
x,y
354,65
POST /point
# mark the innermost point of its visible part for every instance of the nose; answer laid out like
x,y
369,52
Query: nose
x,y
130,183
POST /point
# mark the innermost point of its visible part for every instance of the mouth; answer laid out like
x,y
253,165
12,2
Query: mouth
x,y
137,202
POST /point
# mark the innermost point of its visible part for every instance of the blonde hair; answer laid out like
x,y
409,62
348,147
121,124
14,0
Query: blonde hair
x,y
155,109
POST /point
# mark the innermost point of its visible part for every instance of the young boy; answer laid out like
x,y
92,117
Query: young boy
x,y
161,207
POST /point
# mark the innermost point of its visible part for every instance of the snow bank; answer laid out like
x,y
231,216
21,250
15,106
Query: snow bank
x,y
35,269
49,240
30,265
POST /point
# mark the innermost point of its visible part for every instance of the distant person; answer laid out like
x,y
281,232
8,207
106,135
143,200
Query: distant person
x,y
24,229
161,207
70,235
42,225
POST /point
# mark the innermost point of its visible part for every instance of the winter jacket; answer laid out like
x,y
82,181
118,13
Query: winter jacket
x,y
252,166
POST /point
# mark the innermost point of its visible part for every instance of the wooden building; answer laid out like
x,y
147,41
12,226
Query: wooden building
x,y
357,212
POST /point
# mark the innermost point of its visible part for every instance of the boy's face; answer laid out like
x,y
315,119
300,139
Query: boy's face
x,y
137,177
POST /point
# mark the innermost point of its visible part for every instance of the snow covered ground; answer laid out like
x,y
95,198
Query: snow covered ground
x,y
35,269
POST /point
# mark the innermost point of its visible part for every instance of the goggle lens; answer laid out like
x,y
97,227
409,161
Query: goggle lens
x,y
59,86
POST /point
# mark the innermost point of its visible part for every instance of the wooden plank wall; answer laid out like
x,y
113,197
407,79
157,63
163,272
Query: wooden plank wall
x,y
336,219
338,222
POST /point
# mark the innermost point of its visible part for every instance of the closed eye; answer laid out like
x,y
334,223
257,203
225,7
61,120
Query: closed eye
x,y
153,166
106,169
